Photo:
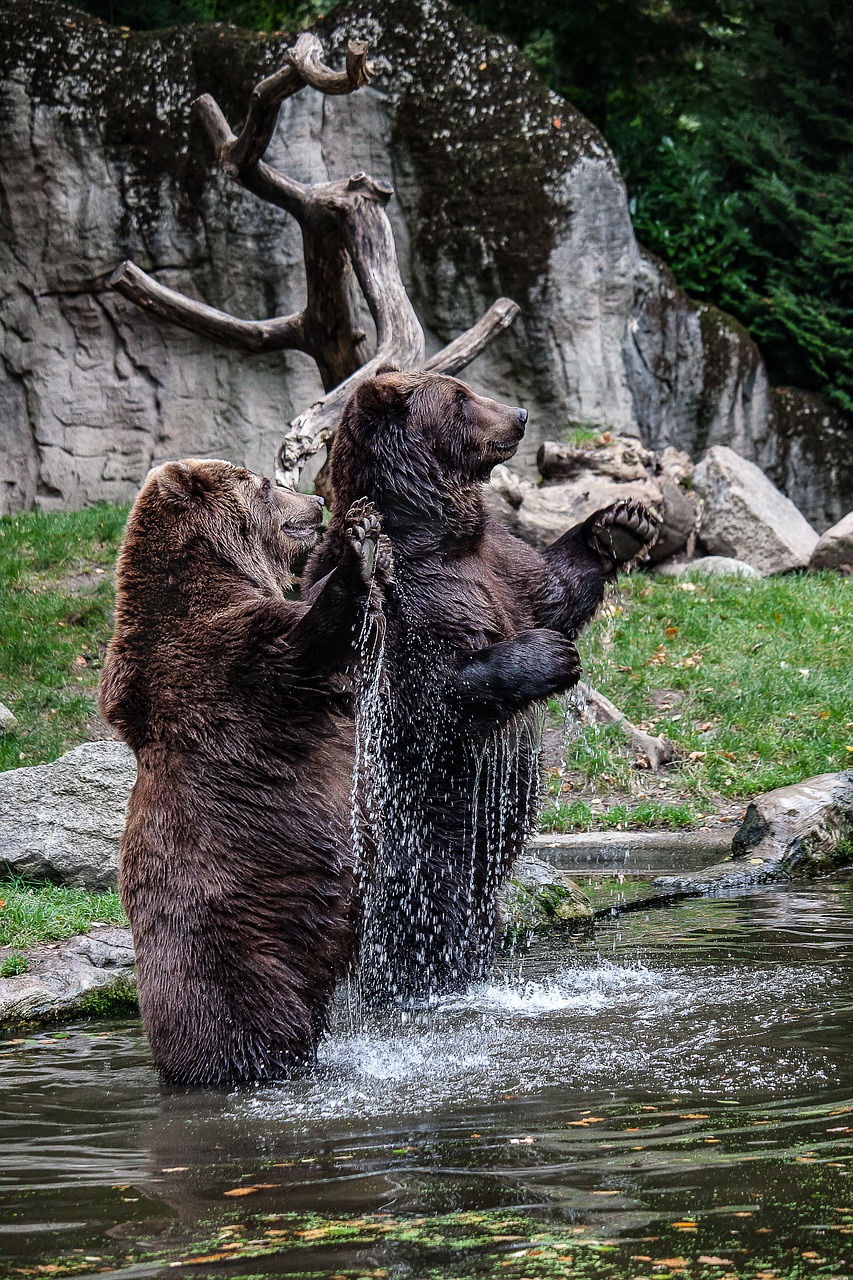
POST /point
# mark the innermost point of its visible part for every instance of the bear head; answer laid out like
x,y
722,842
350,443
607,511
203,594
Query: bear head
x,y
416,435
206,511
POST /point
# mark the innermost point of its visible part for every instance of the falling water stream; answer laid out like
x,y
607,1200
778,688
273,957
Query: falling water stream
x,y
672,1096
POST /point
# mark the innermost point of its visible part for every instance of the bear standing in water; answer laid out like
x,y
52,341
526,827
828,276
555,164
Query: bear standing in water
x,y
235,863
480,629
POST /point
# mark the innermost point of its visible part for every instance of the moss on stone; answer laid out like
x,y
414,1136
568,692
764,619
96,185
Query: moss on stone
x,y
488,141
118,998
729,353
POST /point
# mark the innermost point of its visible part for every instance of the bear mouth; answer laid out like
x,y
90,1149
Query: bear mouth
x,y
300,532
504,448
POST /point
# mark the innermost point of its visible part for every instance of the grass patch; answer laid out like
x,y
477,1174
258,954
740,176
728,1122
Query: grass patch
x,y
56,601
752,679
13,965
30,914
576,815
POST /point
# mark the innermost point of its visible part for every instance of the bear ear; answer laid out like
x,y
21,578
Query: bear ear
x,y
387,367
181,481
378,397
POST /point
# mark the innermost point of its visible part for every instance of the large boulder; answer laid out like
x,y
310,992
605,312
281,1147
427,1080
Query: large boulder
x,y
62,822
806,829
834,549
8,721
747,518
90,974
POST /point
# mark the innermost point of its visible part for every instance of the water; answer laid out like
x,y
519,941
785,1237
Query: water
x,y
671,1097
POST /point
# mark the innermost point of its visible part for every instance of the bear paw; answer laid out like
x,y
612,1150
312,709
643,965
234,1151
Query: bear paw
x,y
362,527
385,562
621,531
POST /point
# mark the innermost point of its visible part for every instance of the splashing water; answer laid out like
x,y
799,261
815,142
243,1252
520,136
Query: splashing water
x,y
427,890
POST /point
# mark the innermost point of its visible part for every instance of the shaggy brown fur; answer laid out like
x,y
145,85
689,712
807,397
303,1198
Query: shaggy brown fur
x,y
235,870
480,628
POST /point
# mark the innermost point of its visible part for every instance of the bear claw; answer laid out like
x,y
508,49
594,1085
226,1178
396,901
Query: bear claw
x,y
362,527
622,530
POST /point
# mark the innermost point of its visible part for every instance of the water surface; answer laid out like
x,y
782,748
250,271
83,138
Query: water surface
x,y
672,1096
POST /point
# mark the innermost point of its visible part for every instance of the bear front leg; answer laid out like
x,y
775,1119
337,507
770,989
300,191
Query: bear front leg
x,y
326,635
584,559
496,682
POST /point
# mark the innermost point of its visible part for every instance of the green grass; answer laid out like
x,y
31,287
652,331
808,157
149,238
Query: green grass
x,y
751,679
54,630
31,914
14,965
576,815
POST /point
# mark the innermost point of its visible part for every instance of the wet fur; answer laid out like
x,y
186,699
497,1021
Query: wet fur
x,y
235,869
480,629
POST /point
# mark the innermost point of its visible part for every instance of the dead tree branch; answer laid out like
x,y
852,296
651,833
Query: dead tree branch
x,y
345,228
658,751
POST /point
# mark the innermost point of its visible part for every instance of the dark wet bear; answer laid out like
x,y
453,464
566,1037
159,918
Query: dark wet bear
x,y
480,630
235,869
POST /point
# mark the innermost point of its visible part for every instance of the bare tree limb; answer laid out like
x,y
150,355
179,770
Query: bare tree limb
x,y
462,350
283,333
305,66
658,751
345,229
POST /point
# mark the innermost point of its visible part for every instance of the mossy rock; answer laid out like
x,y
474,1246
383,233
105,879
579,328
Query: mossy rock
x,y
538,897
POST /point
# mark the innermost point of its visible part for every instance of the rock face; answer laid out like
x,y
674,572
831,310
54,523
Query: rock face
x,y
63,821
746,517
101,162
834,549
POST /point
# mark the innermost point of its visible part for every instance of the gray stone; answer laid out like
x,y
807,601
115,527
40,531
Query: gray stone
x,y
708,566
746,517
98,139
540,896
62,822
835,547
66,979
8,722
547,512
680,511
807,828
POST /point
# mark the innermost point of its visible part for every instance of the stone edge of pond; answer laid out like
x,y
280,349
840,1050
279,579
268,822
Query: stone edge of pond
x,y
91,974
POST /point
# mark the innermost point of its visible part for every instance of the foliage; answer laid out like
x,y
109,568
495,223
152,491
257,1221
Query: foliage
x,y
751,679
732,121
56,598
31,914
257,15
13,965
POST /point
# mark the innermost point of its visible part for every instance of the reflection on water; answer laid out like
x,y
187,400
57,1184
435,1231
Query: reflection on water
x,y
686,1066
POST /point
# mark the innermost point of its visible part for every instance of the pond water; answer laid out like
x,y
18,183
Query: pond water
x,y
671,1096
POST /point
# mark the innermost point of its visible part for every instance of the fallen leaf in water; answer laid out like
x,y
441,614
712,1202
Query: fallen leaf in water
x,y
711,1260
694,1115
207,1257
240,1191
676,1263
176,1168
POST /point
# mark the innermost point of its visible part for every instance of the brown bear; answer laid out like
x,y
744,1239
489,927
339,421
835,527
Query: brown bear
x,y
480,629
235,871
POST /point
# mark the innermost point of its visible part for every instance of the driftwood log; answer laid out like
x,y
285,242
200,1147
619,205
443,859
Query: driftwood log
x,y
345,229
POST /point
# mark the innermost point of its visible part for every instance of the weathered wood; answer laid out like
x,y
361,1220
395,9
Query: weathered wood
x,y
658,751
462,350
282,333
345,229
